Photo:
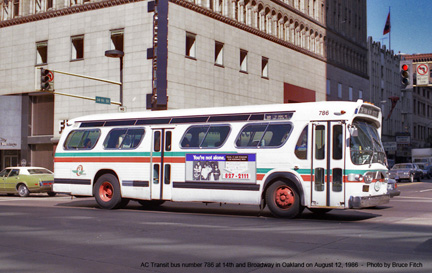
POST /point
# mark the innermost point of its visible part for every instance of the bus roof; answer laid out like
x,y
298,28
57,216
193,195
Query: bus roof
x,y
308,110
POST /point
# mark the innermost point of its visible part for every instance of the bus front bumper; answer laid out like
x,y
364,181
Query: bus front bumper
x,y
357,202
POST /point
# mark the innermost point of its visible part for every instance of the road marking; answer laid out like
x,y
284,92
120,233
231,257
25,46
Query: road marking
x,y
412,197
426,190
413,183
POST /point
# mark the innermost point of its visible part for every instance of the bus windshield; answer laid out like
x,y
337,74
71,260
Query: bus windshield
x,y
366,146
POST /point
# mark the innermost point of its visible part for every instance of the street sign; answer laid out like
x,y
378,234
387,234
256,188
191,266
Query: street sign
x,y
422,74
102,100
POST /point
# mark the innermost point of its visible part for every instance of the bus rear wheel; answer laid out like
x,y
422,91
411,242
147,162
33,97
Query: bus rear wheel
x,y
283,200
107,193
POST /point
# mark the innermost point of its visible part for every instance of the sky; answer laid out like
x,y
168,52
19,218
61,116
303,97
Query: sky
x,y
411,29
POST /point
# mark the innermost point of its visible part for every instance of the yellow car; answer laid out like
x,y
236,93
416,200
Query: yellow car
x,y
26,180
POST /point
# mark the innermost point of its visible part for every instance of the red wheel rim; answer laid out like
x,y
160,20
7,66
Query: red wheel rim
x,y
284,197
106,191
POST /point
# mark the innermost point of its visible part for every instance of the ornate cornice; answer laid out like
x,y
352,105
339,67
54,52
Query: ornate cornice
x,y
65,11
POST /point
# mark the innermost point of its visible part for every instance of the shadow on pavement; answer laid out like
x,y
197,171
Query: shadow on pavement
x,y
230,210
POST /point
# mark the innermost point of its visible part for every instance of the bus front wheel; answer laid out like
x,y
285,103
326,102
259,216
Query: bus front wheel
x,y
107,193
283,200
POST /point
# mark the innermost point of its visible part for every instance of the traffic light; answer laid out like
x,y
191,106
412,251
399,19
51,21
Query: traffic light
x,y
46,78
406,74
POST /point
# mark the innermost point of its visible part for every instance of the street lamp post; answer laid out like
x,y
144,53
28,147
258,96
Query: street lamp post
x,y
114,53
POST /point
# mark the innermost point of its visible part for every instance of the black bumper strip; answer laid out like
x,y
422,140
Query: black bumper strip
x,y
216,186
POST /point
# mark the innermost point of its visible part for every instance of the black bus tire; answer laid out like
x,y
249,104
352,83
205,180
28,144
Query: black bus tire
x,y
107,192
283,200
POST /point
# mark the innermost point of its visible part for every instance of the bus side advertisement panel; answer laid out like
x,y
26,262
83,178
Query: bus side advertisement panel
x,y
223,168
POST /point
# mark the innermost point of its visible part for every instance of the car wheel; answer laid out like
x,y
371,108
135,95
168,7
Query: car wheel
x,y
52,194
23,191
411,178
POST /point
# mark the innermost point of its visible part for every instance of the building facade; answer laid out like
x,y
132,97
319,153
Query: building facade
x,y
385,92
177,54
420,111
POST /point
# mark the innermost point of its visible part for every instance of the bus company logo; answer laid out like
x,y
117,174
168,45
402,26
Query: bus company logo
x,y
79,171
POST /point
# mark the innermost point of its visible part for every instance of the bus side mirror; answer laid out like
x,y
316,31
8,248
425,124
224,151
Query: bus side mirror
x,y
353,131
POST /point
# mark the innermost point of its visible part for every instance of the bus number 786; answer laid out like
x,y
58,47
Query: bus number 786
x,y
324,112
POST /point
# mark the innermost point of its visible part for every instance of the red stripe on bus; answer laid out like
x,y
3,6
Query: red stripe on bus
x,y
103,159
119,159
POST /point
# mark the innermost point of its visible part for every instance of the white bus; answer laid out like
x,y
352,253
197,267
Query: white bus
x,y
319,155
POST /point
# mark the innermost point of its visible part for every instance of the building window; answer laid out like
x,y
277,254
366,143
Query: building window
x,y
350,93
49,4
360,94
339,90
190,45
328,87
219,53
77,47
117,39
264,67
16,5
243,60
41,52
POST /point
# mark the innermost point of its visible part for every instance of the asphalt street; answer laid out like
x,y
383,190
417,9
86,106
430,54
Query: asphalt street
x,y
64,234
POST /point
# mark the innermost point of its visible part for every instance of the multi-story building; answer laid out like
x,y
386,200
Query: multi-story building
x,y
184,54
385,92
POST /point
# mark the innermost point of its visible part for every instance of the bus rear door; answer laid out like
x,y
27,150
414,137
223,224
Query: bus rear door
x,y
328,164
160,182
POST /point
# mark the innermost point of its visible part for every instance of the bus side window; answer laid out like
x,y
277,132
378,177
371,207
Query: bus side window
x,y
124,138
216,136
82,139
275,135
301,147
264,135
114,138
132,139
251,135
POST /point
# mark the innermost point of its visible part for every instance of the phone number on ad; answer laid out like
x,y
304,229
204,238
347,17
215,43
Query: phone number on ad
x,y
236,176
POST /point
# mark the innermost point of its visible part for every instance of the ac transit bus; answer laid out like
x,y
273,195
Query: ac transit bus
x,y
318,155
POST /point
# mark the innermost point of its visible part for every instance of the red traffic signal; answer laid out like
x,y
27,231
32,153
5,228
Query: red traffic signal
x,y
406,77
46,77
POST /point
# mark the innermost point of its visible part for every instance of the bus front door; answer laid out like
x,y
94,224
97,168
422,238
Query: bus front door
x,y
160,182
328,164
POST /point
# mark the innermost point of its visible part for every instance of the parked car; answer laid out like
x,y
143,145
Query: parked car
x,y
26,180
424,170
392,188
405,171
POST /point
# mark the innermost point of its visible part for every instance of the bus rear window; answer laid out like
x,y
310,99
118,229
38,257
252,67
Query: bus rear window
x,y
208,136
268,135
82,139
124,138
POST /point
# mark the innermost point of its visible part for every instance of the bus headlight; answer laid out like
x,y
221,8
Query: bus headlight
x,y
368,179
377,186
